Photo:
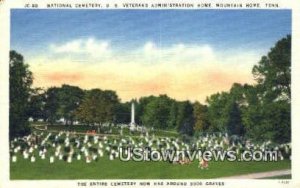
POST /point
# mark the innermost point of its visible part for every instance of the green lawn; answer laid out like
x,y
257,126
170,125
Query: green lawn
x,y
116,169
106,169
115,130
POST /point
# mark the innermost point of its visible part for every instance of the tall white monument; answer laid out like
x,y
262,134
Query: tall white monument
x,y
132,123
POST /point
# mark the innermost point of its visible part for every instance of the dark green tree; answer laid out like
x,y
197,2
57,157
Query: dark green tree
x,y
52,104
234,125
69,98
200,113
269,104
111,100
157,112
20,81
36,108
273,72
185,119
218,114
97,107
224,112
173,115
140,108
122,113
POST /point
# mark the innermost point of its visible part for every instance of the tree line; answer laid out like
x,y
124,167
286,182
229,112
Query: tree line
x,y
259,111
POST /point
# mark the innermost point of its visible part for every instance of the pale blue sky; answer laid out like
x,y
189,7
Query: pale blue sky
x,y
33,30
186,54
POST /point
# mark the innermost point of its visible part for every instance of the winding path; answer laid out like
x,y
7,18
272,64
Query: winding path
x,y
261,175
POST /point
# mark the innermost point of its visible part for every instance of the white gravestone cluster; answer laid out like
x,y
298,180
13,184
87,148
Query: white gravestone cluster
x,y
71,147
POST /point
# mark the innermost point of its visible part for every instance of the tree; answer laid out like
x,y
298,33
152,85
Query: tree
x,y
157,112
218,114
36,108
140,108
69,98
235,106
200,113
185,119
97,107
52,104
224,111
273,72
234,125
269,109
20,81
271,119
173,115
122,113
111,100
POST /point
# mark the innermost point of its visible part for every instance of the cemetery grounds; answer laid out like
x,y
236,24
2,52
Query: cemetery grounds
x,y
104,167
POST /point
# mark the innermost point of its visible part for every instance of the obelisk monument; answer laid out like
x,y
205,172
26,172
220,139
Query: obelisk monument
x,y
132,123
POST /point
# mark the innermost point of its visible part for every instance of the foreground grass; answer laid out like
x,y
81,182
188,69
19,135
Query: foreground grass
x,y
105,169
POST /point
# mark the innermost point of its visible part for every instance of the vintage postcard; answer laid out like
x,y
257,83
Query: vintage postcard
x,y
149,93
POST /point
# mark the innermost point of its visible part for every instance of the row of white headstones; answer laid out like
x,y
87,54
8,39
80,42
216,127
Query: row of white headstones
x,y
205,141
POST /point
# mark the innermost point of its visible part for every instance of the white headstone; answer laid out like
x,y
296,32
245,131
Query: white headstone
x,y
30,150
32,159
14,159
86,153
71,151
88,159
100,153
69,159
89,144
26,155
51,159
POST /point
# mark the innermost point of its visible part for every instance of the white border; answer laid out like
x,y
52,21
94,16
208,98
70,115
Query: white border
x,y
5,7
